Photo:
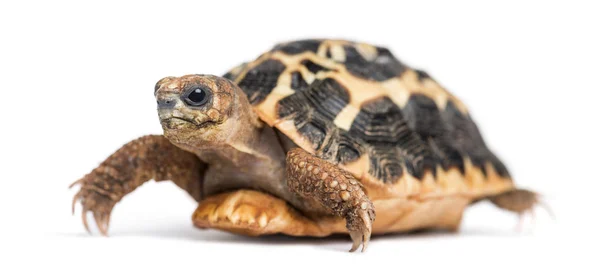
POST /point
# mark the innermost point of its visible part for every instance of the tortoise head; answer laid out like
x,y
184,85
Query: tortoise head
x,y
196,111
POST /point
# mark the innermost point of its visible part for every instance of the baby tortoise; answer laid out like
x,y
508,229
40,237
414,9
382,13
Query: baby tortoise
x,y
312,138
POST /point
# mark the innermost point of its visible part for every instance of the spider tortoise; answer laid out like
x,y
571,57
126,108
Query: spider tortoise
x,y
312,138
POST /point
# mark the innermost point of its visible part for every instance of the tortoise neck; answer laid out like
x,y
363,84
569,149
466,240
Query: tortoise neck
x,y
254,147
248,140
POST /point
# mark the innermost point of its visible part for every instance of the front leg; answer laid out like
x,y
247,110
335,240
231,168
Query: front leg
x,y
337,190
143,159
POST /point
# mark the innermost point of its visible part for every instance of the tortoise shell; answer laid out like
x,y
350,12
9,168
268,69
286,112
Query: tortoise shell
x,y
356,105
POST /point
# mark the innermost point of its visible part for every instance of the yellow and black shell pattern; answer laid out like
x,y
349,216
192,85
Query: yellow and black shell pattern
x,y
356,105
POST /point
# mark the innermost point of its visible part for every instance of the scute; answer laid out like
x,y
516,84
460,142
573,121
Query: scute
x,y
356,105
465,134
382,67
313,67
260,80
380,123
298,47
314,109
298,82
425,119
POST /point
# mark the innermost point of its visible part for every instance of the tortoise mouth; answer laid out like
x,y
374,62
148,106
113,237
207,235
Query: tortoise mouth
x,y
174,122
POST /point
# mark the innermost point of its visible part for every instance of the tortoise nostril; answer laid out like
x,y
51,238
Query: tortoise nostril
x,y
165,103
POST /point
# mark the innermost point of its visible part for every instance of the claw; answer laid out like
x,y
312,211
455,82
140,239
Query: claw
x,y
519,226
359,238
84,219
531,211
356,238
547,208
96,200
366,239
363,234
75,198
101,223
76,182
107,223
364,215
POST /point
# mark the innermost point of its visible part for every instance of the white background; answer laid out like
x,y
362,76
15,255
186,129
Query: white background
x,y
77,82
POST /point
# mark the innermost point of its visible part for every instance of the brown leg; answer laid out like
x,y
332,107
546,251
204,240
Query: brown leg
x,y
337,190
253,213
516,200
148,157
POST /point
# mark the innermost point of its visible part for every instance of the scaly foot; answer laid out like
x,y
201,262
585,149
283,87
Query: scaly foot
x,y
336,189
96,195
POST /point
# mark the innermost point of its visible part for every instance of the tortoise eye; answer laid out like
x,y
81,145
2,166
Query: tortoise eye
x,y
197,97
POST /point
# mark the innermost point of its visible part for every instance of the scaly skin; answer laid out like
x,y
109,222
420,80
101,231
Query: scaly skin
x,y
143,159
214,142
517,200
337,190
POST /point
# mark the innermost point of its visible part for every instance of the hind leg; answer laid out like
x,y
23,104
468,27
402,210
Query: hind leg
x,y
516,200
519,201
253,213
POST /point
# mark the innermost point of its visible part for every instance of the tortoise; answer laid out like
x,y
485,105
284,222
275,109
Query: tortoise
x,y
313,138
